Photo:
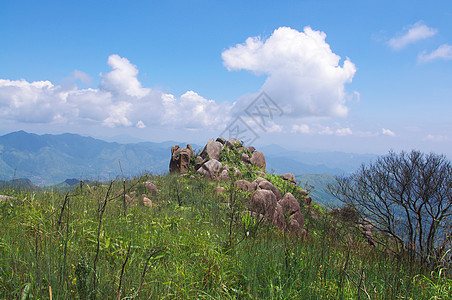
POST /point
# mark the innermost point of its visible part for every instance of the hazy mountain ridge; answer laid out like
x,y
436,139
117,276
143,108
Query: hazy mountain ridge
x,y
51,159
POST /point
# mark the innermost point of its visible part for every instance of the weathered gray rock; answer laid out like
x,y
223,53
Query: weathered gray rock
x,y
190,148
245,185
221,140
291,209
308,200
267,185
233,143
147,201
259,180
210,168
150,186
224,175
258,159
251,149
263,202
212,149
180,159
289,177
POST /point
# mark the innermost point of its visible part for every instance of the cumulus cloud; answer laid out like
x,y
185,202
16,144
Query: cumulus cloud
x,y
388,132
193,111
123,78
119,101
305,77
416,32
443,52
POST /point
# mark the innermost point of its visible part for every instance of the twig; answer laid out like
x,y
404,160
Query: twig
x,y
124,190
66,199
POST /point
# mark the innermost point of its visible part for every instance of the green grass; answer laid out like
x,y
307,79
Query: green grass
x,y
191,244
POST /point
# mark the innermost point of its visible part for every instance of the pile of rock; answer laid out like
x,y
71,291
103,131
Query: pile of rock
x,y
208,164
265,200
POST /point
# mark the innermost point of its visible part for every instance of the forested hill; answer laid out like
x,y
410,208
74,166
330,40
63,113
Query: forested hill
x,y
49,159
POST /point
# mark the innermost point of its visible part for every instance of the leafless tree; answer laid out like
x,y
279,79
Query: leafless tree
x,y
408,196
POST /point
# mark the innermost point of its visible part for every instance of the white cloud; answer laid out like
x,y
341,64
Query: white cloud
x,y
120,101
443,52
303,128
193,111
416,32
123,79
388,132
304,76
343,131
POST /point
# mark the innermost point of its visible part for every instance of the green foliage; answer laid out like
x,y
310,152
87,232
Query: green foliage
x,y
191,243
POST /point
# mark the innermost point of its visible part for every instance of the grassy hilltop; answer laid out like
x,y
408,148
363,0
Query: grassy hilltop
x,y
100,241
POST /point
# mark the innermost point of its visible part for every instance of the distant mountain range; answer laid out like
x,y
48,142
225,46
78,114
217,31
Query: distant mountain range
x,y
51,159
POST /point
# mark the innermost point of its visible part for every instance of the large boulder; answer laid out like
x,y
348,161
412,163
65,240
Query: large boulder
x,y
233,143
267,185
210,168
259,180
212,149
180,159
263,202
150,186
245,185
258,159
292,213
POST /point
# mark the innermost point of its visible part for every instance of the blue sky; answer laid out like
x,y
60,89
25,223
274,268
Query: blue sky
x,y
355,76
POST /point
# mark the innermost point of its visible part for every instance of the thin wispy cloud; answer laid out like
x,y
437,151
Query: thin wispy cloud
x,y
387,132
443,52
415,33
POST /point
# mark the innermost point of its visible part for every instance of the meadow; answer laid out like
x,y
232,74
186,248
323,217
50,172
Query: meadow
x,y
192,243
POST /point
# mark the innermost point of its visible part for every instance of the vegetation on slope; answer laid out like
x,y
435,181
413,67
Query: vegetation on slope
x,y
192,243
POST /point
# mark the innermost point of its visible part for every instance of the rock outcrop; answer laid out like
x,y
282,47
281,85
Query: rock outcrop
x,y
218,161
180,159
212,150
